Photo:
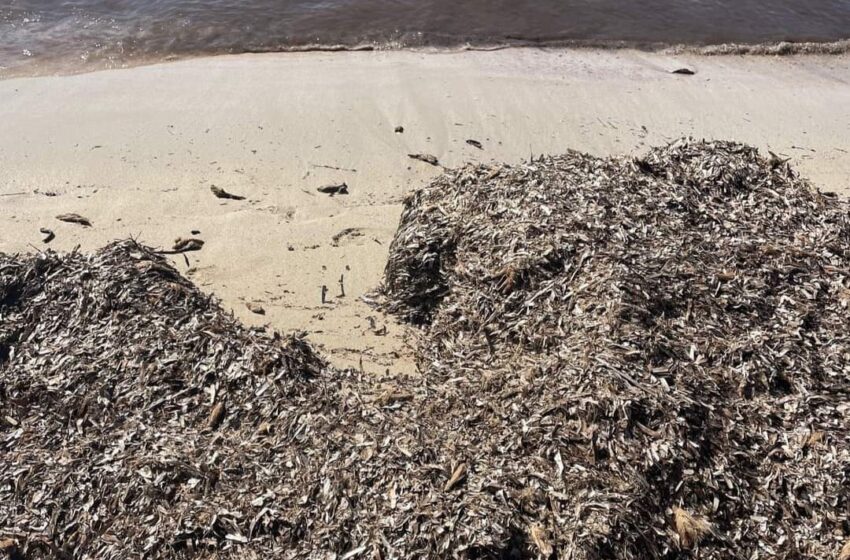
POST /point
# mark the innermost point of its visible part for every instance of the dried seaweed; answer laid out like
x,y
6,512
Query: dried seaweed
x,y
114,436
48,235
333,189
427,158
74,219
254,307
346,233
219,192
608,345
186,244
618,343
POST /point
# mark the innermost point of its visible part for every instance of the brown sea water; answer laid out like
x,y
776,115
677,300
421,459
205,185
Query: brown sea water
x,y
38,36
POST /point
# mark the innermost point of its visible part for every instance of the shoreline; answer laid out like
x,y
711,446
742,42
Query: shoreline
x,y
840,47
137,150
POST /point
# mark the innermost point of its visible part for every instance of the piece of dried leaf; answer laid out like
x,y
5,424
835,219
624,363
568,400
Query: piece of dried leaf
x,y
48,235
221,193
216,415
182,245
691,529
427,158
458,475
392,396
74,219
264,428
255,308
814,438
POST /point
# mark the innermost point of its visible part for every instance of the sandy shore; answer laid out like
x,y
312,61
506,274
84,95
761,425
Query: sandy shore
x,y
137,150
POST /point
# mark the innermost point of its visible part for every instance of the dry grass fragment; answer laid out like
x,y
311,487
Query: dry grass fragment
x,y
540,539
691,529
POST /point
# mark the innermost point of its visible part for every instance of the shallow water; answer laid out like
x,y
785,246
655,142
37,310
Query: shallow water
x,y
77,35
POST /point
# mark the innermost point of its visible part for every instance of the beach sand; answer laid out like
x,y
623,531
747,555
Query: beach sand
x,y
137,150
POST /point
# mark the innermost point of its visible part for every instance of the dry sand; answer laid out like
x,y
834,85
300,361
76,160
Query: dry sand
x,y
137,150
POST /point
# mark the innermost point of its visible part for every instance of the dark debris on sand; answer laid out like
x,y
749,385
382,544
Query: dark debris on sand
x,y
619,359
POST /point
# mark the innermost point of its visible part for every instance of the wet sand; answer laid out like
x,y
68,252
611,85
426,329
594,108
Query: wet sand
x,y
137,150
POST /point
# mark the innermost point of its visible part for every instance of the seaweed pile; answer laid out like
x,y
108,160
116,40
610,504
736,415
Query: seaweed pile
x,y
640,358
619,358
138,419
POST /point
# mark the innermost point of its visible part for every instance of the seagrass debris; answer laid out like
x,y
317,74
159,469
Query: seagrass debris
x,y
138,418
333,189
640,358
219,192
141,420
74,219
609,346
48,235
427,158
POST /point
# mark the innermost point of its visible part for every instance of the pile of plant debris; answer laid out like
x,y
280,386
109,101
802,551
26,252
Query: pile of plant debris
x,y
138,419
636,358
619,359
